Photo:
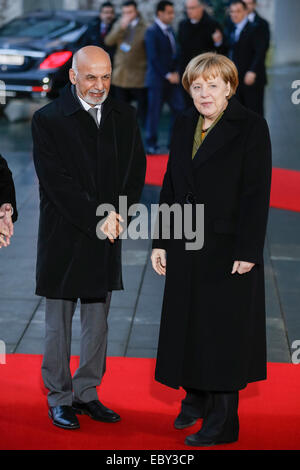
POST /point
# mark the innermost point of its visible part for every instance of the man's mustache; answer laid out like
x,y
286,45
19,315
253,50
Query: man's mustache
x,y
96,91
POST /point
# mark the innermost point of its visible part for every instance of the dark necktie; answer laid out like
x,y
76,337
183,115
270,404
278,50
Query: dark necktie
x,y
171,39
232,41
93,112
103,30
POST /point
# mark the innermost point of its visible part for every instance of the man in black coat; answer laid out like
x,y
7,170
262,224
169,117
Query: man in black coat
x,y
198,33
100,27
247,47
87,152
8,207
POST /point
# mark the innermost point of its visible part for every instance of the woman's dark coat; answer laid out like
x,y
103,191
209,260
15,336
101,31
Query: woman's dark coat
x,y
7,187
212,334
80,166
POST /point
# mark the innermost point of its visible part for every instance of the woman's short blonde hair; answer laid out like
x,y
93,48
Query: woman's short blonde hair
x,y
210,65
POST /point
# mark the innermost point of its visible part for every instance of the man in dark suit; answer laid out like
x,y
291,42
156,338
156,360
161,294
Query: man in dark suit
x,y
99,28
247,49
162,75
258,20
87,152
8,207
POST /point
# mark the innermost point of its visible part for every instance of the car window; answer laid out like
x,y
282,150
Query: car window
x,y
33,27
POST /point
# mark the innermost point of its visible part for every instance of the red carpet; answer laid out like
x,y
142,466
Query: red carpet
x,y
269,410
285,191
156,168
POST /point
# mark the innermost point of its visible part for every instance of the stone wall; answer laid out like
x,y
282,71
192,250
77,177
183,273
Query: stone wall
x,y
10,9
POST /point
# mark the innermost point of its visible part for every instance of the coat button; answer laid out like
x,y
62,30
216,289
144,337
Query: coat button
x,y
190,198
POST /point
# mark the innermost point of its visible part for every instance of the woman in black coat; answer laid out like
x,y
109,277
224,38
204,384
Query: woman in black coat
x,y
212,336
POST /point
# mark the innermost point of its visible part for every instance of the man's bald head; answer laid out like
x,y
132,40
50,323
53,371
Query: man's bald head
x,y
88,55
91,74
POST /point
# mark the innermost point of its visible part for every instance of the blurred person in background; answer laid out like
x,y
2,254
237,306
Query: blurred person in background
x,y
128,37
162,77
99,28
257,20
247,48
8,207
198,33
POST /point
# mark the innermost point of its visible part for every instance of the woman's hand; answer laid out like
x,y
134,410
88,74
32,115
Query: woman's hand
x,y
159,261
242,267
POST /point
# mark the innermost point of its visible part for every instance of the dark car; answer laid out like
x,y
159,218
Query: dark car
x,y
36,51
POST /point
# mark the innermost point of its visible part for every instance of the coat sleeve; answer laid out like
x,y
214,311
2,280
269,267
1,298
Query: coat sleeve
x,y
153,54
135,178
70,200
166,194
7,187
166,197
255,195
260,47
223,47
115,36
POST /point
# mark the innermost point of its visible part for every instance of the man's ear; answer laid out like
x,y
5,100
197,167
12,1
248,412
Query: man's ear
x,y
72,76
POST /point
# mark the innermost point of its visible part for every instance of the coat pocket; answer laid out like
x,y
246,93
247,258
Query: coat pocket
x,y
225,225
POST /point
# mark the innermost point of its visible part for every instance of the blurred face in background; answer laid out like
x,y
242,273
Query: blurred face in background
x,y
250,5
129,12
237,12
194,10
167,16
107,15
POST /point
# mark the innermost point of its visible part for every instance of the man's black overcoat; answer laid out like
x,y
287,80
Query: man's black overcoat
x,y
212,334
80,166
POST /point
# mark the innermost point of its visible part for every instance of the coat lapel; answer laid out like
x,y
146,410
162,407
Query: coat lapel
x,y
226,129
84,126
220,135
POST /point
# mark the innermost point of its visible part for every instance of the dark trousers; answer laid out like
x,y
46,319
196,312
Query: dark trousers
x,y
134,94
219,411
158,94
251,97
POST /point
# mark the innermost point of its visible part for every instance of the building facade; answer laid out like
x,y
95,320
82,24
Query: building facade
x,y
282,16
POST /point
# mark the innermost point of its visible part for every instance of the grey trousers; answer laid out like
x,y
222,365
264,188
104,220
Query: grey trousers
x,y
63,389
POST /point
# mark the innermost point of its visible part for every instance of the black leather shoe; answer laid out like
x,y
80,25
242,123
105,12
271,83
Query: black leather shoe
x,y
220,424
63,417
200,440
183,421
95,410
